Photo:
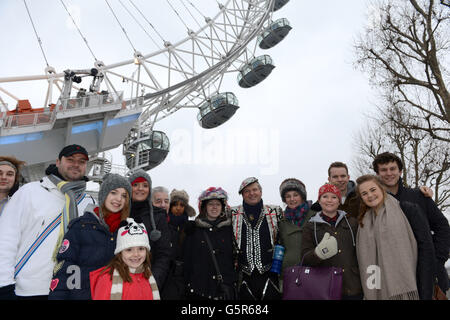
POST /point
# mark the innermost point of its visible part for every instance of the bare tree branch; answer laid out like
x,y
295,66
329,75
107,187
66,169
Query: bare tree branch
x,y
405,51
426,160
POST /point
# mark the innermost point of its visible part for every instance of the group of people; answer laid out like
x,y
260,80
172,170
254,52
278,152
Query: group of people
x,y
136,241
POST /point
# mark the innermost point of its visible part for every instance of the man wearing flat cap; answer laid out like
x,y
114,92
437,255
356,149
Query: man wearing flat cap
x,y
255,228
34,220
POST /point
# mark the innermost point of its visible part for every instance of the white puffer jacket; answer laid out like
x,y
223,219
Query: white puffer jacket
x,y
31,209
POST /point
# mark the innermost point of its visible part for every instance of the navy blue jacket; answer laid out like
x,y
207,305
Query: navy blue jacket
x,y
87,246
438,225
425,270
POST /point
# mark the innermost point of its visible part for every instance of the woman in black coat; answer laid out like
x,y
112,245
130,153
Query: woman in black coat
x,y
178,216
155,222
204,277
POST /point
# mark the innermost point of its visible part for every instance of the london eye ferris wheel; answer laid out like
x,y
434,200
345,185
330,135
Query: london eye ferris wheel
x,y
122,101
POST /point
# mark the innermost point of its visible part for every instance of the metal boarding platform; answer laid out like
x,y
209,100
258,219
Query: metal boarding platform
x,y
97,121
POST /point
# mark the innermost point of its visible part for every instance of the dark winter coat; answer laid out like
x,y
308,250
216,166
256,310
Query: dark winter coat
x,y
258,235
351,204
345,233
352,201
174,288
439,227
290,237
425,250
161,248
87,246
199,271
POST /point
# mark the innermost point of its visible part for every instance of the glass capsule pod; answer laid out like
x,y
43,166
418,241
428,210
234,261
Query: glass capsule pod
x,y
274,34
217,110
255,71
146,149
279,4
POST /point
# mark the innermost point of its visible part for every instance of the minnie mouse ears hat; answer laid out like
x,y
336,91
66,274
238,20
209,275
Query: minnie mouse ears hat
x,y
131,234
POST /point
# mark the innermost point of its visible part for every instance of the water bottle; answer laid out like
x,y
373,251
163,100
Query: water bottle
x,y
277,261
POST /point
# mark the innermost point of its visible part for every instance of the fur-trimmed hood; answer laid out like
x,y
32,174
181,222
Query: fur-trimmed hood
x,y
202,223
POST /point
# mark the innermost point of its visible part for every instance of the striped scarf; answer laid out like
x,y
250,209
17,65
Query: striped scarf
x,y
71,190
117,285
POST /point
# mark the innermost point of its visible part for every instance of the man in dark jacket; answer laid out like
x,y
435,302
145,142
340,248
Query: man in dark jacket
x,y
338,175
426,262
389,169
155,222
160,198
255,229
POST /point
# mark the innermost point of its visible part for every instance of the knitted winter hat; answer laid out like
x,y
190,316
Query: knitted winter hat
x,y
246,183
292,184
110,182
141,176
181,195
131,234
330,188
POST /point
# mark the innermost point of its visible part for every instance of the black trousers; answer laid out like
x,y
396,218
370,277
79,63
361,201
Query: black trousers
x,y
442,275
32,298
259,287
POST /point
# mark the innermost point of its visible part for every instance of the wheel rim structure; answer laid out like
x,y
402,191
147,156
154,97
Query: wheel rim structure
x,y
183,74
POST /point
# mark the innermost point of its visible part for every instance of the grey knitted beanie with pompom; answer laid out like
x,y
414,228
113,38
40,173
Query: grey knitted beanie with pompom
x,y
110,182
155,234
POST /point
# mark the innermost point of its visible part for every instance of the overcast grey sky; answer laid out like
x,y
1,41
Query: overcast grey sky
x,y
293,124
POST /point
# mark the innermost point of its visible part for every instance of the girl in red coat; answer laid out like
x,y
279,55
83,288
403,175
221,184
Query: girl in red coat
x,y
128,275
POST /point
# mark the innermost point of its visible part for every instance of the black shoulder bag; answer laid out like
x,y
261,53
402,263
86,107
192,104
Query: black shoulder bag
x,y
226,292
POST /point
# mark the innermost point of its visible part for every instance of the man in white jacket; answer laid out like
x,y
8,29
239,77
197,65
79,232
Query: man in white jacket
x,y
29,227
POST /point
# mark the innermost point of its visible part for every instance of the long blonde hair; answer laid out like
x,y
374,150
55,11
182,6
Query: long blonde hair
x,y
363,208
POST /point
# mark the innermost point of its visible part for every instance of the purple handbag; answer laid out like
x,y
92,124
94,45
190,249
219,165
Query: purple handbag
x,y
312,283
